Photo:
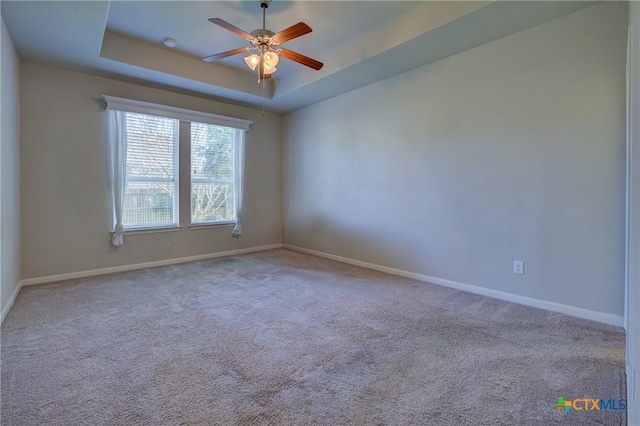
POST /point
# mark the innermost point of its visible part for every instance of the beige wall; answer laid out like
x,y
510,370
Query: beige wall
x,y
512,150
9,171
633,270
64,200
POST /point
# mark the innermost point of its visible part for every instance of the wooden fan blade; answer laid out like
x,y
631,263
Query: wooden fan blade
x,y
292,32
221,55
224,24
301,59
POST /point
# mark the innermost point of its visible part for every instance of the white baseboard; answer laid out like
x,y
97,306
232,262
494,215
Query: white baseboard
x,y
124,268
602,317
7,307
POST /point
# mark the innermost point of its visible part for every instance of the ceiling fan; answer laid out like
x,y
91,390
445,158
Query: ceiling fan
x,y
267,44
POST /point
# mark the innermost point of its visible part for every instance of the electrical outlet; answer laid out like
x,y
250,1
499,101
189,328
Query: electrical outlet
x,y
518,267
175,241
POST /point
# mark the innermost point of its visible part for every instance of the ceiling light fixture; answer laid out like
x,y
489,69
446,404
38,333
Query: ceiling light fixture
x,y
267,43
169,42
267,58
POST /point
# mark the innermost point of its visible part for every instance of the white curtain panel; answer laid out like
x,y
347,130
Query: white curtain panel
x,y
239,178
117,153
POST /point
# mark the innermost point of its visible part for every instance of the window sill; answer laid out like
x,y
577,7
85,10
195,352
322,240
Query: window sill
x,y
212,225
135,231
138,231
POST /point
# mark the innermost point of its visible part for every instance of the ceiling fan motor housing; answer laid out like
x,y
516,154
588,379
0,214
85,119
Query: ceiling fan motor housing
x,y
262,33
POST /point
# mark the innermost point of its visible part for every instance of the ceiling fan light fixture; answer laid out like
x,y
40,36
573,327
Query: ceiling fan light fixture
x,y
267,43
271,59
252,61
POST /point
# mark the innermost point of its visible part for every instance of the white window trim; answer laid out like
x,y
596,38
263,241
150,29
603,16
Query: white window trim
x,y
140,107
114,103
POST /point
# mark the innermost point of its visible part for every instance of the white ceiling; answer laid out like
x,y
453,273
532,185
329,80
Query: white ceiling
x,y
360,42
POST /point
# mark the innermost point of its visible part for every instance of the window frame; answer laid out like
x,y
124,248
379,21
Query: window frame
x,y
175,223
233,181
182,116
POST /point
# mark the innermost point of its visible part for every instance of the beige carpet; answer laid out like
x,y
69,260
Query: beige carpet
x,y
284,338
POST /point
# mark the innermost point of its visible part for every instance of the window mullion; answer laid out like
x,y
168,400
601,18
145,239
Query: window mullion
x,y
184,155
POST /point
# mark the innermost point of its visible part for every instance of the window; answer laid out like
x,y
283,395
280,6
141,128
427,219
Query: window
x,y
151,190
213,170
147,186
